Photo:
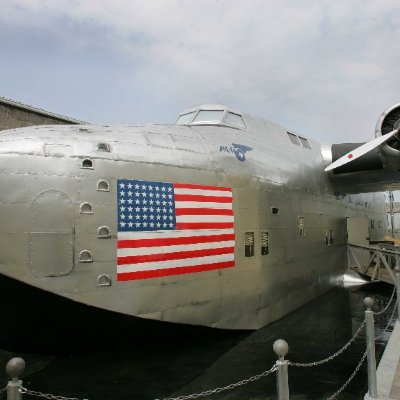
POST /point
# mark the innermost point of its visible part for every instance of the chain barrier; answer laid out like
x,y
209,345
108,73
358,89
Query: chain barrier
x,y
255,377
388,304
387,325
331,357
221,389
46,395
334,395
339,352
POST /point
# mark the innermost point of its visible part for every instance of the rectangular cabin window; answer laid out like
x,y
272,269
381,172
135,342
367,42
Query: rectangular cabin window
x,y
209,116
264,236
293,138
372,224
331,236
302,231
249,244
304,143
275,210
234,119
185,118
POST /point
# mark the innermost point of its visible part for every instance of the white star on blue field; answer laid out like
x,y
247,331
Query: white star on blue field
x,y
145,206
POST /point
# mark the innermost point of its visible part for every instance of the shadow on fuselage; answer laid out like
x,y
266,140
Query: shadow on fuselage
x,y
33,320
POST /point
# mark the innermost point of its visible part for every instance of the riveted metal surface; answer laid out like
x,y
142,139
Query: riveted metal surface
x,y
14,217
89,223
14,164
14,248
51,234
58,166
14,188
88,192
103,250
58,150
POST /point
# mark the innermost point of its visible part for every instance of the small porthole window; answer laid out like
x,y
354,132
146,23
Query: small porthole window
x,y
103,186
249,244
87,163
264,243
103,232
302,231
86,208
85,256
103,147
103,280
274,210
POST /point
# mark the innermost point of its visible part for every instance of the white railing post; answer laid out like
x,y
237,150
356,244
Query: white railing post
x,y
397,283
281,348
14,368
370,336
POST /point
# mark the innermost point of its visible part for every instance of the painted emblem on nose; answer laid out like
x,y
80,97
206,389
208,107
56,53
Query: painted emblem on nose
x,y
240,151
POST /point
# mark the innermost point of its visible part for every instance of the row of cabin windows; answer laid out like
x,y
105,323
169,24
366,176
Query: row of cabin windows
x,y
264,240
298,140
249,243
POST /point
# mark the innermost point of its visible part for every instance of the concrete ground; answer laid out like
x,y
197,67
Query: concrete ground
x,y
388,373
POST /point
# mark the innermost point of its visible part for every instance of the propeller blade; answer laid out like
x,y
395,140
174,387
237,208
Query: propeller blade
x,y
360,151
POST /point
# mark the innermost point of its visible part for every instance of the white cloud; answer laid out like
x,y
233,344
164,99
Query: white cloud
x,y
313,66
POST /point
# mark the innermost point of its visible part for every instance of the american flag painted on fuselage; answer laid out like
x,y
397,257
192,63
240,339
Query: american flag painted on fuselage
x,y
172,228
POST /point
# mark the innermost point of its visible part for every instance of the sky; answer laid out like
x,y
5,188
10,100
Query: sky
x,y
326,69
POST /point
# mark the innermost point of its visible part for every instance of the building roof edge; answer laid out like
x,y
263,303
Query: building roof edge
x,y
40,111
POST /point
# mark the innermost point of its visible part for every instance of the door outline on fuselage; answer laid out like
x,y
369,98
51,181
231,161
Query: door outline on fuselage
x,y
51,234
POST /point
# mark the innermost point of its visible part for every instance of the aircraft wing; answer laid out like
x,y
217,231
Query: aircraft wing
x,y
368,167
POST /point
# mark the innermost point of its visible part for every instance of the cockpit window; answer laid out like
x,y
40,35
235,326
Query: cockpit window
x,y
218,116
185,118
209,116
234,119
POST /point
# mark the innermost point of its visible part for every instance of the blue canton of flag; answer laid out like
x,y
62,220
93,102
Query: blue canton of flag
x,y
145,206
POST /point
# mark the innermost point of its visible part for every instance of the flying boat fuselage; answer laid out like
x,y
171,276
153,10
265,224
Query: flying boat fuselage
x,y
222,220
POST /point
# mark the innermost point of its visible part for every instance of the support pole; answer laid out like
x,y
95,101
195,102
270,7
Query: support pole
x,y
281,348
14,368
370,336
397,274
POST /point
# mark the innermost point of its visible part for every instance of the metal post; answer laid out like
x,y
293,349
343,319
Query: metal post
x,y
14,368
282,380
370,336
397,270
391,199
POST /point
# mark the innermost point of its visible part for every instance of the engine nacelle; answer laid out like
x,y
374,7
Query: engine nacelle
x,y
389,151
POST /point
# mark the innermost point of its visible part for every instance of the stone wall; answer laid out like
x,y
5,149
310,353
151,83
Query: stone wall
x,y
18,115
